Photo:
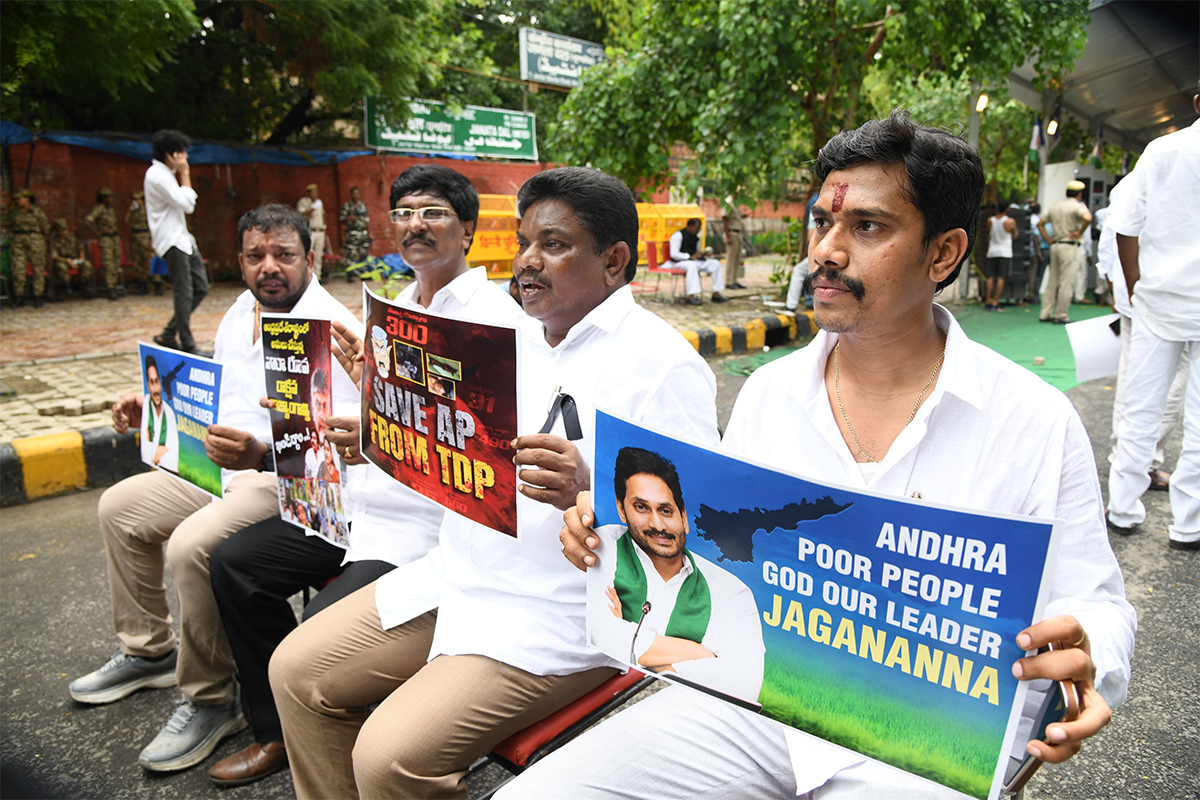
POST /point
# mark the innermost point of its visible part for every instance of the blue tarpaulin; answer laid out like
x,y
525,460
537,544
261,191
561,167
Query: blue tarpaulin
x,y
200,152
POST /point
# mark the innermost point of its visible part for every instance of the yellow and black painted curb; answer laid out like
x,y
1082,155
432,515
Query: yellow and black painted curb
x,y
751,335
43,466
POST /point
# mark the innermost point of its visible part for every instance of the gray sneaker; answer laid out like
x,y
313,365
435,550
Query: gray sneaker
x,y
191,734
123,675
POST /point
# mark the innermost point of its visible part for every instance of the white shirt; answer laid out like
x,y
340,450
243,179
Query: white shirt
x,y
1160,208
734,633
315,211
167,203
392,522
992,436
243,373
522,603
677,254
1108,262
170,459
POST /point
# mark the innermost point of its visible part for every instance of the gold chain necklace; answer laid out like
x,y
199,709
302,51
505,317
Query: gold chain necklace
x,y
837,388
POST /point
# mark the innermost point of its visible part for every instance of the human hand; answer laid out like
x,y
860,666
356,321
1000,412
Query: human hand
x,y
178,162
614,603
1073,662
577,537
559,472
343,434
159,452
127,411
234,449
349,351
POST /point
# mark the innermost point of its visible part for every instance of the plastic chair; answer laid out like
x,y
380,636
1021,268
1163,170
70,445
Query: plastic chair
x,y
652,265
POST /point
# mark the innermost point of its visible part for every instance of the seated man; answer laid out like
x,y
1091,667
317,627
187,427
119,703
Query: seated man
x,y
890,396
485,635
67,254
140,513
687,254
256,570
674,611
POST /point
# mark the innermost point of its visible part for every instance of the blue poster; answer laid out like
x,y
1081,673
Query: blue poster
x,y
180,398
887,626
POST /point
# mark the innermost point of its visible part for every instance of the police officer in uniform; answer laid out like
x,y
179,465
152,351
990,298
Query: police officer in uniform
x,y
30,229
103,220
141,250
66,252
353,215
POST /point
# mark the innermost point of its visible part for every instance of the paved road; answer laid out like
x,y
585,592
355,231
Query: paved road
x,y
56,626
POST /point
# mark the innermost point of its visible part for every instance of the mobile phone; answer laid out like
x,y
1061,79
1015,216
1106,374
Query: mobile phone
x,y
1061,704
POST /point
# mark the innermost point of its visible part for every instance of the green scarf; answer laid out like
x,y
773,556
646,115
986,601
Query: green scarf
x,y
162,433
693,607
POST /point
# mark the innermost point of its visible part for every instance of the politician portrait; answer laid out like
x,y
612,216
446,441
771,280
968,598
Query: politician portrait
x,y
666,609
160,433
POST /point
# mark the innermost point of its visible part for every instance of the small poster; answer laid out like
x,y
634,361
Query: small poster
x,y
298,364
439,409
884,625
181,394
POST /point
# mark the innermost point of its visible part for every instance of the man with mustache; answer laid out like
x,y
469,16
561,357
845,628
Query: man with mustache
x,y
160,432
486,634
141,513
889,397
675,612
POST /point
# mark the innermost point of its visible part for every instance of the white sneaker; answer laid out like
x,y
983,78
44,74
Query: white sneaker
x,y
123,675
191,734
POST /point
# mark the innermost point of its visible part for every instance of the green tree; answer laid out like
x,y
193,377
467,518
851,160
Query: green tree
x,y
750,85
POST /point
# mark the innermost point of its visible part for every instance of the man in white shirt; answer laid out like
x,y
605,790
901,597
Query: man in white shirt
x,y
141,513
687,253
169,198
160,432
674,612
982,434
485,635
1157,222
314,211
257,569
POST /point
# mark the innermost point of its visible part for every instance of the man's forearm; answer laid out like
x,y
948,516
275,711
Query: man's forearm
x,y
1127,251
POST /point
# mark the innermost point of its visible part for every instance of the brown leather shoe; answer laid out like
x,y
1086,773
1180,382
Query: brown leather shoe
x,y
255,762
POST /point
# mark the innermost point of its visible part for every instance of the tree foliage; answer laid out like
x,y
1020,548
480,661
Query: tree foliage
x,y
750,85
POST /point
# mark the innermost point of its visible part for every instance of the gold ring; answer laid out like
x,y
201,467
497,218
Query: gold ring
x,y
1082,639
349,453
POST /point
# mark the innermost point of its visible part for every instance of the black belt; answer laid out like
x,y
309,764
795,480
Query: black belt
x,y
108,234
1068,241
139,230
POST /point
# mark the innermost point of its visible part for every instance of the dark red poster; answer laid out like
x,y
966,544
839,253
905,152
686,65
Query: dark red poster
x,y
439,409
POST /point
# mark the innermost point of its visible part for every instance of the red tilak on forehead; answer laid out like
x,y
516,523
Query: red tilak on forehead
x,y
839,195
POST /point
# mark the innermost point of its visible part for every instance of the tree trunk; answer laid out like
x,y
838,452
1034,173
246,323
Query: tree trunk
x,y
299,116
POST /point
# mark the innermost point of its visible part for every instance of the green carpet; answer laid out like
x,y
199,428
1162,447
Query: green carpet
x,y
1015,333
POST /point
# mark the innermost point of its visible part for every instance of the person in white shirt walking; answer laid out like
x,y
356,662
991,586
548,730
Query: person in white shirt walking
x,y
169,198
485,635
890,396
1002,229
1157,222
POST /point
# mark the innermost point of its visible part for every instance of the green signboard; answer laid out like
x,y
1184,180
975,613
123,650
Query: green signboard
x,y
476,131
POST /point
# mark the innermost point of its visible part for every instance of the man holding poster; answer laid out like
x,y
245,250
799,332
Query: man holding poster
x,y
892,397
485,635
674,611
160,433
141,513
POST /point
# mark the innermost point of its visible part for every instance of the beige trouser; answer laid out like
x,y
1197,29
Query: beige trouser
x,y
136,517
734,269
1065,260
434,718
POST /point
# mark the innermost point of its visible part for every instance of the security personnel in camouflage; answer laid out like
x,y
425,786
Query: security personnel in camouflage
x,y
66,252
103,220
141,251
30,228
353,215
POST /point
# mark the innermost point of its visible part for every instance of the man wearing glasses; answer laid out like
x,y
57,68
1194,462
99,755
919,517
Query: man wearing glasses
x,y
142,513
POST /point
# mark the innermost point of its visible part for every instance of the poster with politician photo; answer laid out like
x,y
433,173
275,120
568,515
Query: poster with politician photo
x,y
886,626
439,408
181,395
297,357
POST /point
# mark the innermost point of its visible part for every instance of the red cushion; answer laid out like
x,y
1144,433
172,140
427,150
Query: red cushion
x,y
519,747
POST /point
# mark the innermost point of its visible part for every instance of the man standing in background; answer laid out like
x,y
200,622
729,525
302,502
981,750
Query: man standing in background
x,y
30,228
103,220
141,251
314,210
1067,218
357,221
732,220
169,198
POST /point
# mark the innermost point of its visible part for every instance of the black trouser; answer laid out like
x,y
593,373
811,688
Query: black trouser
x,y
189,285
254,572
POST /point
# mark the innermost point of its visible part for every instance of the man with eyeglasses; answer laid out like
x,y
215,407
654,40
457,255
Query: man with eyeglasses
x,y
141,513
485,635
